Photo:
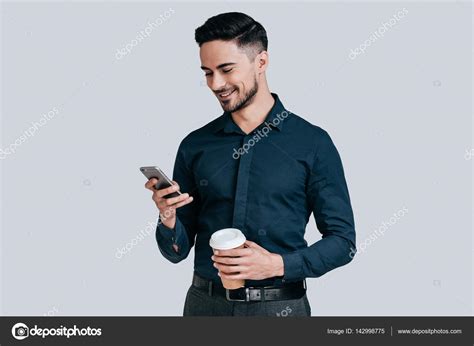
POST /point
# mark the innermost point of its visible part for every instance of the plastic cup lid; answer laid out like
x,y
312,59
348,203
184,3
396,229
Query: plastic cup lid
x,y
227,238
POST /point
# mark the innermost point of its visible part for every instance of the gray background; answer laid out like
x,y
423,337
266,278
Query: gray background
x,y
400,115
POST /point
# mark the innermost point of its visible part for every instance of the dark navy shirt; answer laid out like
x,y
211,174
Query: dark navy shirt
x,y
267,184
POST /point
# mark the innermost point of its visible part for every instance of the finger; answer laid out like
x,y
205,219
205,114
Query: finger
x,y
228,260
167,191
173,200
223,269
180,204
150,184
251,244
160,202
234,252
164,203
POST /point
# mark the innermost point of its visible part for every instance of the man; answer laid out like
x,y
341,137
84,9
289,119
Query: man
x,y
261,169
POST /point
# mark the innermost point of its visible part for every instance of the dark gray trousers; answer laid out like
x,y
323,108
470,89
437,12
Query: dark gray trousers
x,y
199,303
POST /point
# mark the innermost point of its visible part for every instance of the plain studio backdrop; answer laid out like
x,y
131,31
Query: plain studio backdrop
x,y
85,103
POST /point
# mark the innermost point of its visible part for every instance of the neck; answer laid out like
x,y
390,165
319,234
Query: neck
x,y
250,117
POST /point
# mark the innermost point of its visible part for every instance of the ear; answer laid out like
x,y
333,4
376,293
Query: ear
x,y
262,61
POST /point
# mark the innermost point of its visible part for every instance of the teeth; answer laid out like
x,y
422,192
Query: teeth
x,y
226,94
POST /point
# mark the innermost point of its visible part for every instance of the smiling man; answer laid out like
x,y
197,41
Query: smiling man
x,y
286,169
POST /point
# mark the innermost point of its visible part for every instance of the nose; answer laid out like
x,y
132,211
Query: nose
x,y
216,82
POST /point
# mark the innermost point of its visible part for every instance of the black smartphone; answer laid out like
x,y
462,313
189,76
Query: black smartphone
x,y
163,180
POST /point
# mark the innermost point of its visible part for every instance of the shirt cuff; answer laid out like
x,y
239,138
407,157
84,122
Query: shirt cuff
x,y
174,235
166,232
293,266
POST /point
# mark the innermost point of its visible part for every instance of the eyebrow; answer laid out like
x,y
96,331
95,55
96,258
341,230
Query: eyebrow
x,y
220,66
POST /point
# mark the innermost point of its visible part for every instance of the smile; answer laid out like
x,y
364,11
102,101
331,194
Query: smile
x,y
226,95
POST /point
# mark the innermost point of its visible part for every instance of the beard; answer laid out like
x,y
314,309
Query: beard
x,y
243,101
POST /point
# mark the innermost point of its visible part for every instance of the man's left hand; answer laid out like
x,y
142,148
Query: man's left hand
x,y
252,262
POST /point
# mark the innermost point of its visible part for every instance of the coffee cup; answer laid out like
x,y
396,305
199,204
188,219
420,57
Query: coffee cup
x,y
226,239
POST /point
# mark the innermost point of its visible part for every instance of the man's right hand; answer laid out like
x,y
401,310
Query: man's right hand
x,y
167,206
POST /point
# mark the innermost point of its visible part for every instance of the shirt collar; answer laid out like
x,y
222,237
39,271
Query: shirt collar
x,y
275,119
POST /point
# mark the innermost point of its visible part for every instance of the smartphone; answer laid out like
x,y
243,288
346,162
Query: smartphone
x,y
163,180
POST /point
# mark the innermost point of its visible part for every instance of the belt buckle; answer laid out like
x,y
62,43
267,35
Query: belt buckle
x,y
247,296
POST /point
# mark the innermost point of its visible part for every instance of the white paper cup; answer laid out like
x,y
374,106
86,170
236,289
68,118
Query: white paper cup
x,y
225,239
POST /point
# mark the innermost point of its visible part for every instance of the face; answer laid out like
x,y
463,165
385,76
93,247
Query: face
x,y
230,74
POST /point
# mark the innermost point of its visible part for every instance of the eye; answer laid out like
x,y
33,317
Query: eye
x,y
207,74
227,71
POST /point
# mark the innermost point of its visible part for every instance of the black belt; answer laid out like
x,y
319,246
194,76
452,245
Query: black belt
x,y
292,290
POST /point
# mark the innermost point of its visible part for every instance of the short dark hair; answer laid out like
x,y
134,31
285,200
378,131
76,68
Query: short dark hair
x,y
233,26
